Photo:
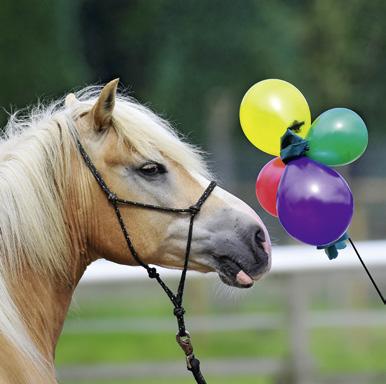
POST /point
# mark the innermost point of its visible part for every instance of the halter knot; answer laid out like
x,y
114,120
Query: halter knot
x,y
111,197
153,274
179,311
194,209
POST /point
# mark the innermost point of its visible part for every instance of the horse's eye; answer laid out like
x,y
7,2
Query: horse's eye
x,y
152,169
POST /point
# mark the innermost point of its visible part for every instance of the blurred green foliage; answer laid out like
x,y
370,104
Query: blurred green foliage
x,y
39,52
179,55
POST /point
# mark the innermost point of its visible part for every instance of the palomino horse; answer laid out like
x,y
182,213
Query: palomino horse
x,y
55,220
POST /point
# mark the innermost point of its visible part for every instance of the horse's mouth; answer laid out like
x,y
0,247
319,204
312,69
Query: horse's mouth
x,y
233,273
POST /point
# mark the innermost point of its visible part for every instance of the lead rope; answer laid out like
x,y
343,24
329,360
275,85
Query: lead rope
x,y
183,337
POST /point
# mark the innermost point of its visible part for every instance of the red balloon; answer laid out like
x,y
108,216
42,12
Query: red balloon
x,y
267,184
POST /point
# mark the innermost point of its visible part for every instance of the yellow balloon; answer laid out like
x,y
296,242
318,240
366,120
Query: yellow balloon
x,y
268,108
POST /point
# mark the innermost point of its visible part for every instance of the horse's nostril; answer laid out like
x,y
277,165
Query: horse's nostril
x,y
259,235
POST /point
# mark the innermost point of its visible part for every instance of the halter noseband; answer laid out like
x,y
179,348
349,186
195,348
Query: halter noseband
x,y
182,337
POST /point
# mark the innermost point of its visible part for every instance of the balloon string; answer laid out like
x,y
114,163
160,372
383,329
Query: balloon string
x,y
367,271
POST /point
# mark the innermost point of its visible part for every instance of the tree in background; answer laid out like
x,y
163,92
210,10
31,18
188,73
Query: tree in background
x,y
177,53
41,53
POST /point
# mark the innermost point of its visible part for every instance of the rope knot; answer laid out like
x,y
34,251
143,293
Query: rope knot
x,y
112,197
194,209
179,311
153,274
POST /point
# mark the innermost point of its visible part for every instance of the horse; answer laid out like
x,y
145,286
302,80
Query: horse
x,y
55,220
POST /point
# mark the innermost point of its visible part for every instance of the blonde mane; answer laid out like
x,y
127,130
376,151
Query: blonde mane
x,y
35,171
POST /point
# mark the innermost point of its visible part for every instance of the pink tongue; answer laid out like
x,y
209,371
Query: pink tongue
x,y
243,279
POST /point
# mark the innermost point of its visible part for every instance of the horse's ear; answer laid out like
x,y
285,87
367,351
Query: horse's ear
x,y
102,111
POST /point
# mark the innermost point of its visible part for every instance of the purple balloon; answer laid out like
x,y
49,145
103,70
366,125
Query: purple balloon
x,y
314,203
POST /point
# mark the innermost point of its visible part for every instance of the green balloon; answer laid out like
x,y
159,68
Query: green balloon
x,y
337,137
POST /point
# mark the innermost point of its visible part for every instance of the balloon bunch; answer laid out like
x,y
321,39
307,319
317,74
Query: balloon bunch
x,y
312,201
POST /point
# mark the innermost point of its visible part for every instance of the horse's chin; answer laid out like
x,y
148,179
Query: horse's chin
x,y
233,274
239,280
230,272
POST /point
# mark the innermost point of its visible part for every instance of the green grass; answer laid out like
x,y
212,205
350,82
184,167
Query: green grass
x,y
350,350
334,350
123,347
118,309
211,380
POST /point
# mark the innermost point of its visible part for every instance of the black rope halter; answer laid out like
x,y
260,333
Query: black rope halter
x,y
183,336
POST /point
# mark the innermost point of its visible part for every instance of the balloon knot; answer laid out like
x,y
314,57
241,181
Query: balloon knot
x,y
292,145
333,248
296,125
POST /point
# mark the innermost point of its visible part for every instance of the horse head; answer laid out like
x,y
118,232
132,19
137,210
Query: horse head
x,y
142,159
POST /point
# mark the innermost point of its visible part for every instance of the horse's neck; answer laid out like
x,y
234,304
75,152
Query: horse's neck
x,y
41,300
43,304
15,369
